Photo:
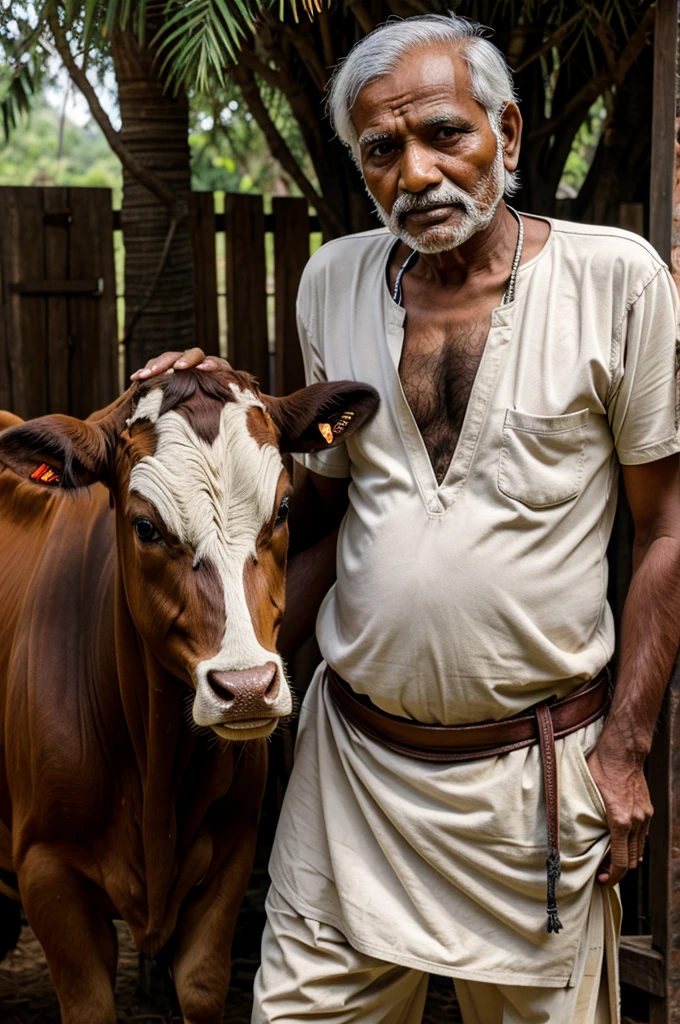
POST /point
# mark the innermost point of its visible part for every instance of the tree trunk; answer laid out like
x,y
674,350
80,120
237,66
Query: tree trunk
x,y
159,307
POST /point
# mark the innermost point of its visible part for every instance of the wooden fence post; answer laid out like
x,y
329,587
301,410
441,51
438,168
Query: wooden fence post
x,y
202,219
665,758
291,252
247,344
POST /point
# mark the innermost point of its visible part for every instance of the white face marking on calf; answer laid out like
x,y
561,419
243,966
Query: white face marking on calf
x,y
148,407
215,498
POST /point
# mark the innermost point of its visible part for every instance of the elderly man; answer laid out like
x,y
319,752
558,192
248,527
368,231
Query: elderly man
x,y
519,362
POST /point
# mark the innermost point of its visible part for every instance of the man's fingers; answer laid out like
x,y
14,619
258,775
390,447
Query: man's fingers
x,y
155,366
186,360
618,855
637,844
190,359
643,841
634,847
214,363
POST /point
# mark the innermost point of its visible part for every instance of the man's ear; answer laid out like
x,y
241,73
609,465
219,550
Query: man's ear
x,y
61,451
322,415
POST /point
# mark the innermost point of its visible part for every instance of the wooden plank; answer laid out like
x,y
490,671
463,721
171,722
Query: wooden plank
x,y
5,309
56,236
59,285
23,256
314,224
93,329
632,217
291,253
641,965
202,215
663,126
247,343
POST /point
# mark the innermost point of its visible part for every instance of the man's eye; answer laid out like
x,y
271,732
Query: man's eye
x,y
282,513
146,531
448,132
382,149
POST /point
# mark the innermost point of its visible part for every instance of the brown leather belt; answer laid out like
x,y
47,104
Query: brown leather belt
x,y
542,724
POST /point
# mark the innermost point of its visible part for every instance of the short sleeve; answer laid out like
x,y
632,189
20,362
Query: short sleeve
x,y
335,461
643,411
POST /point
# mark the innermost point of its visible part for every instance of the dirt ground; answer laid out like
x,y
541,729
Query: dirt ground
x,y
27,996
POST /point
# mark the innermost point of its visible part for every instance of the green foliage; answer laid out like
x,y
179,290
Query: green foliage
x,y
583,147
199,37
33,155
229,151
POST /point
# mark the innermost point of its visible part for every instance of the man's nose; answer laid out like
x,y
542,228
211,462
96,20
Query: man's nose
x,y
418,169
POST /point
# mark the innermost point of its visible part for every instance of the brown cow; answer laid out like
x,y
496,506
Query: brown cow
x,y
138,631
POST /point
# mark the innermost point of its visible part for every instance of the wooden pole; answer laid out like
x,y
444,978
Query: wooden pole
x,y
291,252
663,171
664,768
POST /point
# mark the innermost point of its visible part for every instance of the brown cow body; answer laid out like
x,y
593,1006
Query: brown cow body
x,y
101,722
115,800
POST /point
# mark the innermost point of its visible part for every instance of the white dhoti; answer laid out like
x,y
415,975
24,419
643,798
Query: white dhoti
x,y
310,972
441,867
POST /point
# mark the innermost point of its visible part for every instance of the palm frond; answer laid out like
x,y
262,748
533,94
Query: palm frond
x,y
202,36
17,87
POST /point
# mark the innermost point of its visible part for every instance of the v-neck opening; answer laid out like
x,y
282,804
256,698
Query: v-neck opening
x,y
438,497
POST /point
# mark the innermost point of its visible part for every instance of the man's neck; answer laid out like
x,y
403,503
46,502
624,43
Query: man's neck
x,y
488,251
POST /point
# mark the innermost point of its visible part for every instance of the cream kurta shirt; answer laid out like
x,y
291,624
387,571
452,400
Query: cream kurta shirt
x,y
471,600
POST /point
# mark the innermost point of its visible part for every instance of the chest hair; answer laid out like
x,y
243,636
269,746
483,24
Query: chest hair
x,y
437,383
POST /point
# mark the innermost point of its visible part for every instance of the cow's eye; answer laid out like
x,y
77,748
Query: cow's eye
x,y
282,514
146,531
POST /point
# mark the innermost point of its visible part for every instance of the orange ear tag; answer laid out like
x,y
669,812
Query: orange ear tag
x,y
343,421
326,432
45,474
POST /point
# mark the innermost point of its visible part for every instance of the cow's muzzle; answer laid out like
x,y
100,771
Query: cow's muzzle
x,y
247,700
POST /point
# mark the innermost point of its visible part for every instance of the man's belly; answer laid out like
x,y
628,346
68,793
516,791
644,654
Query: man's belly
x,y
444,629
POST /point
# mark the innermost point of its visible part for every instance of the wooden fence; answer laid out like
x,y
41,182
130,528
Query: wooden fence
x,y
58,323
250,344
58,340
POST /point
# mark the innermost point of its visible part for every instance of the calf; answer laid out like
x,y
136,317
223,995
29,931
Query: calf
x,y
142,582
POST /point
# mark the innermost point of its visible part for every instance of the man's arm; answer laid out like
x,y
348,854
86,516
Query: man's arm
x,y
317,508
650,636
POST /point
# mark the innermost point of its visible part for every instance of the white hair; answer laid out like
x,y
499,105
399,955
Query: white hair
x,y
380,52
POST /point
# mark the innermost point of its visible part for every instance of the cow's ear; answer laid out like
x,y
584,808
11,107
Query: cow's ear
x,y
55,451
61,451
321,415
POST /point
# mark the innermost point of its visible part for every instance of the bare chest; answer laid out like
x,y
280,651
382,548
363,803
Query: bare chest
x,y
438,367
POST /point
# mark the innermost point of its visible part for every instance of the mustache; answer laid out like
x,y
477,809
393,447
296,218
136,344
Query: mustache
x,y
445,195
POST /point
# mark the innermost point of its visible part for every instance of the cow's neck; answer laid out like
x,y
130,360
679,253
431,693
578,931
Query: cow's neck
x,y
180,771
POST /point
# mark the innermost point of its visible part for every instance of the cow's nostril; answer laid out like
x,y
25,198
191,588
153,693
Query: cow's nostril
x,y
272,691
220,688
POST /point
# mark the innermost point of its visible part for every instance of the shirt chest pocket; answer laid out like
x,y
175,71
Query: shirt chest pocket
x,y
542,457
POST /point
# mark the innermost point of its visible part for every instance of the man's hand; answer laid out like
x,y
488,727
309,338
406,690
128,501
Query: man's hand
x,y
621,781
191,359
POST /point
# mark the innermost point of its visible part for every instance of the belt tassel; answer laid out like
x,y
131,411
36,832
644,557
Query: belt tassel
x,y
553,865
554,871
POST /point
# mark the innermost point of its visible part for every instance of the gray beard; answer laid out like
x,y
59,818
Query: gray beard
x,y
478,209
